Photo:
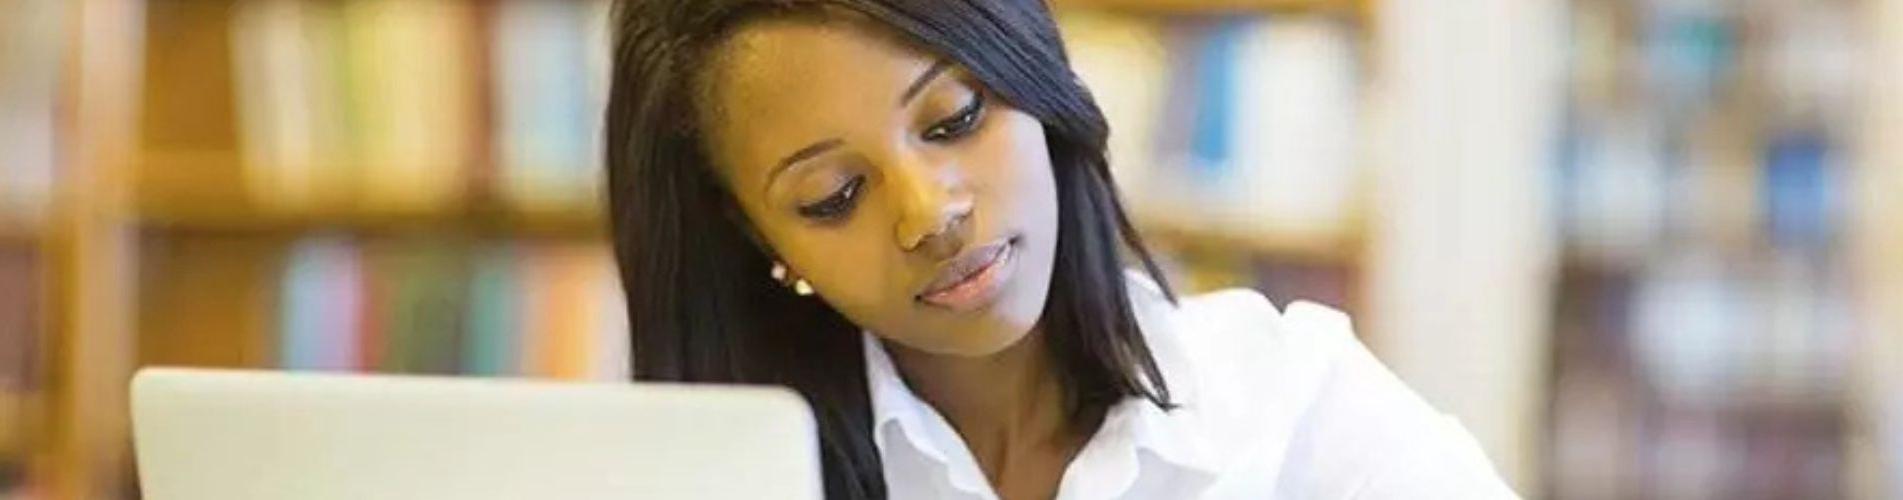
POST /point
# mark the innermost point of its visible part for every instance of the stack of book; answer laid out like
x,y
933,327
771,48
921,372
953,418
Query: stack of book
x,y
507,308
420,105
397,304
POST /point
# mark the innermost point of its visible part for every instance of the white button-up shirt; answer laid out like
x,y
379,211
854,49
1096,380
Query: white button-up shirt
x,y
1273,404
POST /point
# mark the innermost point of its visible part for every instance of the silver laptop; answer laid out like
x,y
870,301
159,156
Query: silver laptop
x,y
215,435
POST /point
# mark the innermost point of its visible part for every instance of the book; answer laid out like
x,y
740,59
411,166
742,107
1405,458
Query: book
x,y
556,298
420,106
294,110
412,101
320,314
549,65
1247,124
493,326
447,306
423,307
1801,196
1293,106
574,324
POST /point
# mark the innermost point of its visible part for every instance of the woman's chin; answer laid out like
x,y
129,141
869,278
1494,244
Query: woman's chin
x,y
969,342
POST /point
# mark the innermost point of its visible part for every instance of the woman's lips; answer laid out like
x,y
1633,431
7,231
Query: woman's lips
x,y
973,279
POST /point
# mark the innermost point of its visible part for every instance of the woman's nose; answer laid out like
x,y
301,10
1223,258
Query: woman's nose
x,y
934,209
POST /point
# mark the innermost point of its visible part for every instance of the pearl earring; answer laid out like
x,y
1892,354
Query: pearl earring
x,y
800,286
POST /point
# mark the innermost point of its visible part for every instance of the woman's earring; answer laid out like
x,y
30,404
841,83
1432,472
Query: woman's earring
x,y
800,286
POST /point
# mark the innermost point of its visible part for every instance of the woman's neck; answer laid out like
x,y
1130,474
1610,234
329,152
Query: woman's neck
x,y
1002,404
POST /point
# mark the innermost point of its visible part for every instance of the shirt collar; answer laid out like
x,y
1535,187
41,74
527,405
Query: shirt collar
x,y
896,410
1174,435
1131,426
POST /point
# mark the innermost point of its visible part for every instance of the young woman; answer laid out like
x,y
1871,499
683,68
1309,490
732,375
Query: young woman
x,y
902,209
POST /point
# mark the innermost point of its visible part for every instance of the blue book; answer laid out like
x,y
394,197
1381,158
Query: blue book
x,y
321,306
1216,59
546,117
1799,190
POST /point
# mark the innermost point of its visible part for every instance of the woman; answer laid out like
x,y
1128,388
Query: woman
x,y
902,209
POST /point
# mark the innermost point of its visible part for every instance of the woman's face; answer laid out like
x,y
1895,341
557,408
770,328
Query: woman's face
x,y
915,203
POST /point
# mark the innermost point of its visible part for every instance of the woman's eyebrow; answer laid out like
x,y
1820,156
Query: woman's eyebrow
x,y
938,66
815,149
811,150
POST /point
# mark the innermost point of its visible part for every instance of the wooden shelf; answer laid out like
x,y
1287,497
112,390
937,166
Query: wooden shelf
x,y
203,192
473,220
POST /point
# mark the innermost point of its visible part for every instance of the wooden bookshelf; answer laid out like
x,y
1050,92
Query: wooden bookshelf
x,y
158,153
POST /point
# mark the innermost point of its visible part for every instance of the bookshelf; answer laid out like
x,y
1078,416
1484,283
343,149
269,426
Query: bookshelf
x,y
187,200
1717,282
181,229
163,251
168,234
176,220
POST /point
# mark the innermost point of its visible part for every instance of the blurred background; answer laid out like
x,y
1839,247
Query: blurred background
x,y
1641,248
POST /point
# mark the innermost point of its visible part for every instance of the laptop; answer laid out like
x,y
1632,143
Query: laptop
x,y
255,435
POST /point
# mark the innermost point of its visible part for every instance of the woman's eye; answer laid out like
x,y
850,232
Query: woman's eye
x,y
837,205
960,123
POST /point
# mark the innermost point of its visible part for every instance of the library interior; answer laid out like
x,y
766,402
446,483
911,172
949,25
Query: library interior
x,y
1639,248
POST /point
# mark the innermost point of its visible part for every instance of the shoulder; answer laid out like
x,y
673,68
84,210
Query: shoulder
x,y
1257,362
1233,343
1242,322
1304,405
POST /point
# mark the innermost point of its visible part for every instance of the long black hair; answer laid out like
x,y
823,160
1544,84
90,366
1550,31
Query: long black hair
x,y
701,303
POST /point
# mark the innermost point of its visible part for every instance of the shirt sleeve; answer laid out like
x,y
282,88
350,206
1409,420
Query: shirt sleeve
x,y
1366,435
